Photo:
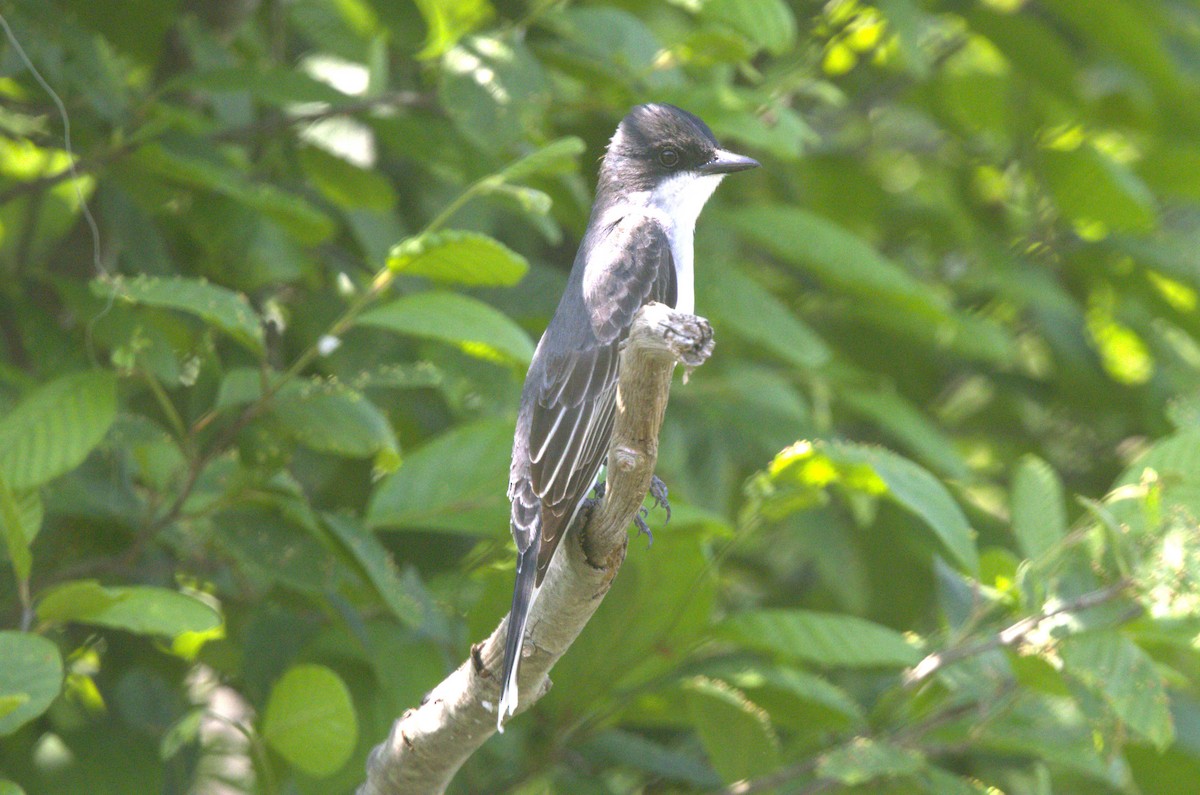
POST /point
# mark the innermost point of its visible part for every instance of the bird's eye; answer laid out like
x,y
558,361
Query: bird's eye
x,y
669,158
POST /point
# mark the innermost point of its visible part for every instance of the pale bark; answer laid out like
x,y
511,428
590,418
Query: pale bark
x,y
428,744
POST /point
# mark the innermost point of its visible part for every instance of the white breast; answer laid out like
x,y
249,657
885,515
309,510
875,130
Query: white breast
x,y
677,202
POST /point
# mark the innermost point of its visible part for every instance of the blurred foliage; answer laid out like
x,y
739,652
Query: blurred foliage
x,y
936,495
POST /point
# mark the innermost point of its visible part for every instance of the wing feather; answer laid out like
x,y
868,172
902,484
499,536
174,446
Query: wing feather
x,y
572,411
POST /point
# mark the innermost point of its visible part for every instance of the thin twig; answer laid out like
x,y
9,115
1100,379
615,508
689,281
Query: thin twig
x,y
1010,635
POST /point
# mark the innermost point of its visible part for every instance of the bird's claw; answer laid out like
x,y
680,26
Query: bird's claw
x,y
658,490
639,519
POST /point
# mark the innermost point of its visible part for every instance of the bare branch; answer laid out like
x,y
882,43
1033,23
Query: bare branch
x,y
428,744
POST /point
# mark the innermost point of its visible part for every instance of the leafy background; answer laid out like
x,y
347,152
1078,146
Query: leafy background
x,y
254,425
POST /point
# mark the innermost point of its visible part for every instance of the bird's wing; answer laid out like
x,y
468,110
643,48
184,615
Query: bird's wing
x,y
572,416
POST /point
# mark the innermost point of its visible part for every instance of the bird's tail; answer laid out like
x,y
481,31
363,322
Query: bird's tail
x,y
522,600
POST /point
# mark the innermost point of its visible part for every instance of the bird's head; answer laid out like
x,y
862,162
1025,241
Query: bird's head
x,y
658,143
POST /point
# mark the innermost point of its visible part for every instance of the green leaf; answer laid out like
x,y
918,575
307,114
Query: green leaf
x,y
838,257
1115,668
299,218
277,86
736,733
494,90
455,483
470,324
310,720
920,492
346,184
450,20
222,308
31,673
52,430
909,426
557,157
10,788
16,536
622,748
377,564
1039,515
826,639
335,419
863,759
1090,187
797,698
767,23
757,316
458,257
143,610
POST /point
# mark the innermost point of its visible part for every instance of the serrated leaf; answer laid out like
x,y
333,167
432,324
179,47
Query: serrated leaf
x,y
470,324
827,639
335,419
220,307
377,564
799,697
1115,668
557,157
143,610
458,257
310,720
31,673
54,428
767,23
756,315
921,493
1039,515
450,484
736,733
862,760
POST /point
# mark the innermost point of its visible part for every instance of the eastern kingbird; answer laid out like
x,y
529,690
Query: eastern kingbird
x,y
661,166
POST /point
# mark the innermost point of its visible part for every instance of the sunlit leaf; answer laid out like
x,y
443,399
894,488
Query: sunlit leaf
x,y
460,320
862,760
144,610
450,20
458,257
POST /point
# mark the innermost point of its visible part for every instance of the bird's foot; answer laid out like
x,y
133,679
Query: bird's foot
x,y
658,490
639,519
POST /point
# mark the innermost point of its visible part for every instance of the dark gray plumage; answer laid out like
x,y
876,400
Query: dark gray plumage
x,y
661,166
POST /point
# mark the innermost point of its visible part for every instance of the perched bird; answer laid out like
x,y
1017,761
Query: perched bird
x,y
661,166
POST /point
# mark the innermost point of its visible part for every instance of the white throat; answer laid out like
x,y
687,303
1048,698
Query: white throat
x,y
677,201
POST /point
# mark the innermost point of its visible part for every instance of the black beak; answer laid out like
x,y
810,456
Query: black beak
x,y
724,162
